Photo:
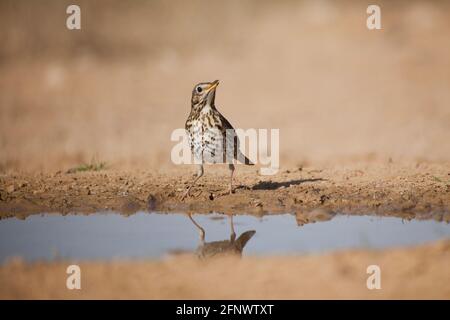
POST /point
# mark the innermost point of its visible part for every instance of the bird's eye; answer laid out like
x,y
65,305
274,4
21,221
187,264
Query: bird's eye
x,y
199,89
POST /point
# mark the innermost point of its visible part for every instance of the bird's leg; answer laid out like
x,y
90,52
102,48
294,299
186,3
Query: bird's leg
x,y
231,167
200,229
233,234
198,176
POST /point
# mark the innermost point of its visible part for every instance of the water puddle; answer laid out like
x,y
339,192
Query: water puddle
x,y
144,235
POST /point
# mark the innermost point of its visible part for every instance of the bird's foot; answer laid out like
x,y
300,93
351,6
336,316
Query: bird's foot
x,y
188,194
227,192
185,194
198,194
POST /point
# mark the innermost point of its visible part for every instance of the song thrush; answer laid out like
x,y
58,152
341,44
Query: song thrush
x,y
212,138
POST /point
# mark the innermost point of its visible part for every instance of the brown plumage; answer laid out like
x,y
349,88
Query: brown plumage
x,y
212,138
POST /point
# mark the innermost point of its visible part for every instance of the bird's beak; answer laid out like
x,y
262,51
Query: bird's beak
x,y
213,85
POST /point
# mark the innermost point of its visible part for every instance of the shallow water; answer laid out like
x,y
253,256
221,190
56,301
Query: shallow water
x,y
144,235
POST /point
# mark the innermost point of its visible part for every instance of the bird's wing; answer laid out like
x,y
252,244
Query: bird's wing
x,y
231,142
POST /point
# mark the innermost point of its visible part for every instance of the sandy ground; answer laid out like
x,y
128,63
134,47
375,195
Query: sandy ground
x,y
410,273
363,115
405,191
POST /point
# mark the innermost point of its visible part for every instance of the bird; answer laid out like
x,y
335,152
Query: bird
x,y
232,246
211,136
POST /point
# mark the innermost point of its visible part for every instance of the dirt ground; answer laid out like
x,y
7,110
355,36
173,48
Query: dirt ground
x,y
422,190
364,122
412,273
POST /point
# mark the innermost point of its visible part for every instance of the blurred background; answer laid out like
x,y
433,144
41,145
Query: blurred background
x,y
117,88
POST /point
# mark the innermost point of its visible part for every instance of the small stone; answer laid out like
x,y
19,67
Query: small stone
x,y
23,184
10,189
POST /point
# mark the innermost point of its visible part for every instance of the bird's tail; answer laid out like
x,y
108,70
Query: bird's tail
x,y
243,239
246,160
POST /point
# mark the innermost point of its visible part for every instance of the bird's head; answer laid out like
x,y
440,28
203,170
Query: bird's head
x,y
204,93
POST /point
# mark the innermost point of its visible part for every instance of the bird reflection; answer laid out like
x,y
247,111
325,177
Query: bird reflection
x,y
232,246
316,215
